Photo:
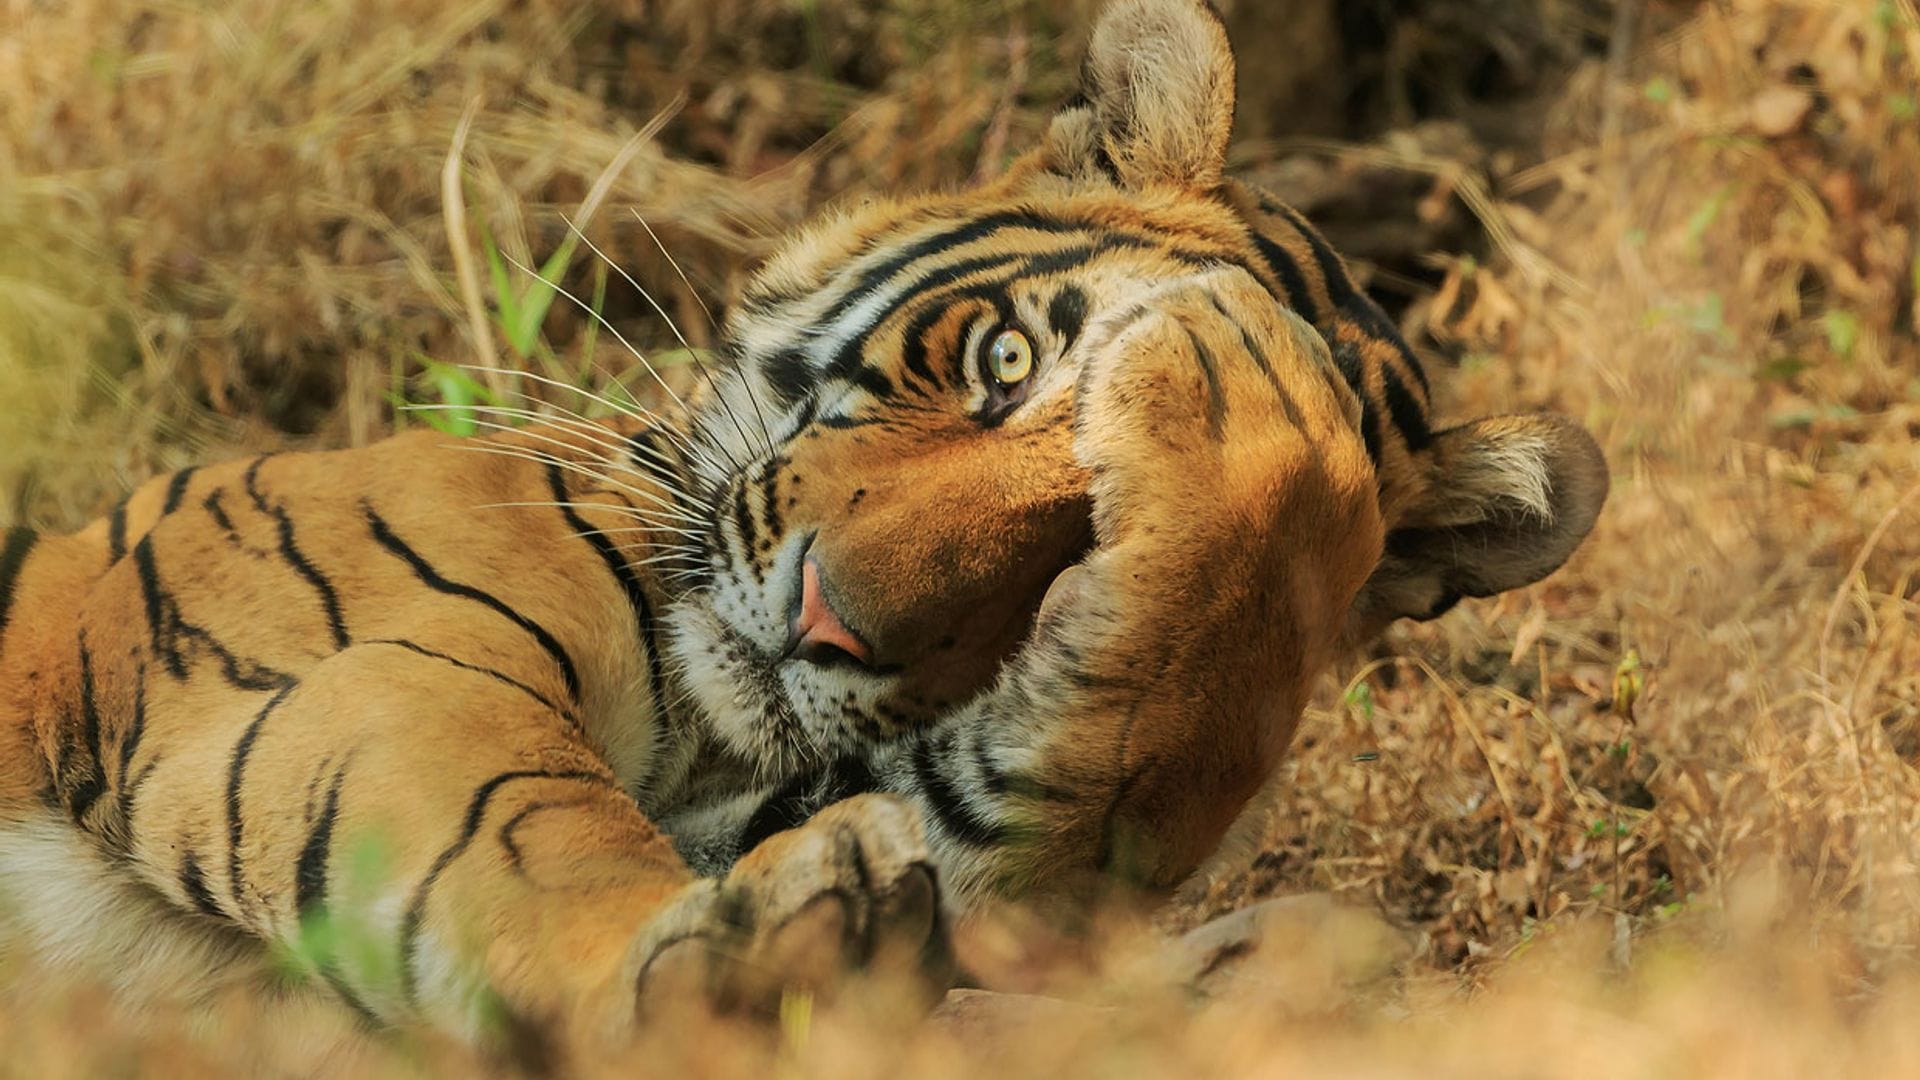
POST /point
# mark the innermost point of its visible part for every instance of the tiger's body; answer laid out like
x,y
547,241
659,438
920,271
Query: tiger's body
x,y
1006,548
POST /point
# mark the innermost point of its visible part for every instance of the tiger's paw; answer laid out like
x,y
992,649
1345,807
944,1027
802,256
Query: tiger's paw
x,y
1231,484
853,889
1211,401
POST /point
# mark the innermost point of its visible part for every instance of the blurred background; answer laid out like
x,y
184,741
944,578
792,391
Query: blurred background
x,y
1695,226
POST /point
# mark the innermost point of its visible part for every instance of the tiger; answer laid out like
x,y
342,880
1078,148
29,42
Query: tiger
x,y
995,557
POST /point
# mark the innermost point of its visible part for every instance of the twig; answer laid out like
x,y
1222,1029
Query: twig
x,y
453,208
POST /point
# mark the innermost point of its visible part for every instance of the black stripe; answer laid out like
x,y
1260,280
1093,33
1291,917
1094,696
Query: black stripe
x,y
1405,411
217,510
515,857
645,453
873,381
177,489
137,726
969,232
770,495
1216,394
252,482
787,807
129,746
13,559
1333,270
789,376
310,873
193,882
130,793
949,807
498,676
1299,297
1254,350
117,532
743,520
368,1018
1067,313
1370,429
88,789
476,814
310,896
847,361
167,628
1346,357
914,345
156,607
329,599
1350,301
965,233
1104,857
432,578
236,775
629,580
240,672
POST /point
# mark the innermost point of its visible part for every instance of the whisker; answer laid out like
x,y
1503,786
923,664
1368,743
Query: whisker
x,y
625,531
636,411
665,551
672,547
759,417
573,466
587,430
628,345
541,457
633,512
675,263
662,558
560,505
560,417
699,364
670,468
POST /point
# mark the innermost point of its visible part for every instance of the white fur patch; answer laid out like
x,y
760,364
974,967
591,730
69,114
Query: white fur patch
x,y
64,905
1517,468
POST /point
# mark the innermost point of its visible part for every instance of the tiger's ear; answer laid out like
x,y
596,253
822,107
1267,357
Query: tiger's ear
x,y
1507,500
1156,104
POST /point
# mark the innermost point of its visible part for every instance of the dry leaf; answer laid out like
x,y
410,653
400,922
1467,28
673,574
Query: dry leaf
x,y
1779,111
1528,634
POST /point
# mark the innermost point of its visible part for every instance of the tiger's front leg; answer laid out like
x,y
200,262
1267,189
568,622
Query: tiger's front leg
x,y
440,843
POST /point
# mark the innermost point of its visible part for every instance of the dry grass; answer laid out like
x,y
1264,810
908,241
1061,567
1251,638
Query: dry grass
x,y
1655,815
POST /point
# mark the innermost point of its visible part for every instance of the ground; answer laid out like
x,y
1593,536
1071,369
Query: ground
x,y
1630,819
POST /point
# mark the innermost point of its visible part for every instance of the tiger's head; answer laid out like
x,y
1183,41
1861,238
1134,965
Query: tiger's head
x,y
887,467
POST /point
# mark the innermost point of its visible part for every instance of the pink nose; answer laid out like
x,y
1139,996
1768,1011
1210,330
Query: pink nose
x,y
816,633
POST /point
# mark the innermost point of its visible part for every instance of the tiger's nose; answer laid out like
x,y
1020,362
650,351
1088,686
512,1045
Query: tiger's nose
x,y
815,632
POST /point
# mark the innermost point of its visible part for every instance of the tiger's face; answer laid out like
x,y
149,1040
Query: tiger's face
x,y
881,545
886,481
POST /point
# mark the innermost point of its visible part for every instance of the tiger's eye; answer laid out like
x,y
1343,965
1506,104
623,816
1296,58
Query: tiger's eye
x,y
1010,358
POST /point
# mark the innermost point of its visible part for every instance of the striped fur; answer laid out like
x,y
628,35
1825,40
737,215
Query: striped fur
x,y
529,721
